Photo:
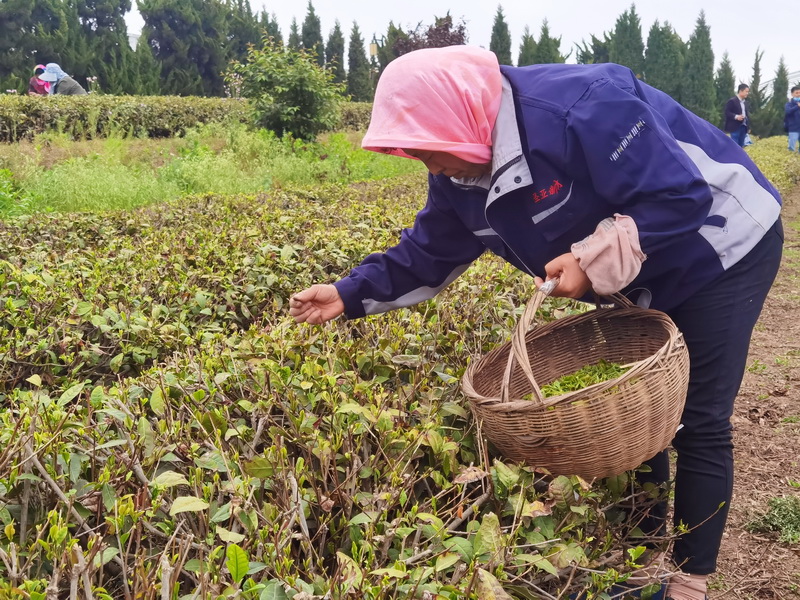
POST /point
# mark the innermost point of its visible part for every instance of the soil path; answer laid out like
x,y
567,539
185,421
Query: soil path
x,y
756,566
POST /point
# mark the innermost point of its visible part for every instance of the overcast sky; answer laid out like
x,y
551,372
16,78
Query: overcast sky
x,y
737,26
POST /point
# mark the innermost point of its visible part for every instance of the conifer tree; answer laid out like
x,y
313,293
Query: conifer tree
x,y
386,48
527,49
269,26
334,54
596,51
500,42
311,35
359,86
698,93
548,48
725,84
110,58
74,50
295,42
242,29
31,32
627,47
188,38
147,70
663,66
757,98
769,121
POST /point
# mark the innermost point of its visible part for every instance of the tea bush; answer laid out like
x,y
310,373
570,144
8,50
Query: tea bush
x,y
780,166
355,116
167,426
98,116
168,431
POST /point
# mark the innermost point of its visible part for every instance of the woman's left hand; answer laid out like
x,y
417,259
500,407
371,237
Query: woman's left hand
x,y
573,281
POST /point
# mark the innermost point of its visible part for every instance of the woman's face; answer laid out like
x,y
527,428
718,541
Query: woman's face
x,y
442,163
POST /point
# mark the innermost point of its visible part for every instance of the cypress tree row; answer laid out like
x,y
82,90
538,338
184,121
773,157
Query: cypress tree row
x,y
334,54
148,70
664,59
311,35
359,86
500,42
627,47
699,94
187,44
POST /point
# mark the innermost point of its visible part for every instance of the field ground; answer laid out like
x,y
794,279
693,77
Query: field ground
x,y
755,566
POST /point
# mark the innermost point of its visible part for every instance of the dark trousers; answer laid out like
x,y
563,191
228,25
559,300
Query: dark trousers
x,y
739,135
717,323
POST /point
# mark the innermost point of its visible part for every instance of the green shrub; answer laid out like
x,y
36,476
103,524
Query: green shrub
x,y
355,116
288,91
783,517
99,116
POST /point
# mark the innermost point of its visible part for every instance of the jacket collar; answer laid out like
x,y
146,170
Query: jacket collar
x,y
509,168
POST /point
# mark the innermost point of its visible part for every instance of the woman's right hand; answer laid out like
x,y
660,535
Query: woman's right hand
x,y
317,304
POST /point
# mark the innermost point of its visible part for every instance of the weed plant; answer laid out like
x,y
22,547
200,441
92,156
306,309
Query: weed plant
x,y
121,173
783,517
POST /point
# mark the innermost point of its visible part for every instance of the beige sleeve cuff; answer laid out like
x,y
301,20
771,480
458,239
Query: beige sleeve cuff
x,y
611,257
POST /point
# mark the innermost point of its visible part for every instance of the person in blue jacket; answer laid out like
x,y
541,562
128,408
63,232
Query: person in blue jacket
x,y
585,173
791,118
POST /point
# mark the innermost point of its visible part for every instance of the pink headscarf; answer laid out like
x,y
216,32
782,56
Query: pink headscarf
x,y
439,99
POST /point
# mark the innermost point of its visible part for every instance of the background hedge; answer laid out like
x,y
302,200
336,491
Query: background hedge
x,y
152,116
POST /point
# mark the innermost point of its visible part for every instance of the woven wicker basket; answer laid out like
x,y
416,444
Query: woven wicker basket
x,y
600,430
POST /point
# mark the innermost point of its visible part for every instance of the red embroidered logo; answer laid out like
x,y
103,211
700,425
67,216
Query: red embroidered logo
x,y
549,191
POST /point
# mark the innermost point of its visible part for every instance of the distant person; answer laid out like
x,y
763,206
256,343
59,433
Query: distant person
x,y
791,118
61,82
37,87
736,117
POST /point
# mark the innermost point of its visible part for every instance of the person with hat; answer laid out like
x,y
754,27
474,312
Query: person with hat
x,y
37,87
60,82
586,174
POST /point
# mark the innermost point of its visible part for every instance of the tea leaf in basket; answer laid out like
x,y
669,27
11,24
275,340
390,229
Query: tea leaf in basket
x,y
588,375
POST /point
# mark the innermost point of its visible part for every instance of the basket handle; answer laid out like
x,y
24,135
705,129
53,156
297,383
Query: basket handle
x,y
519,349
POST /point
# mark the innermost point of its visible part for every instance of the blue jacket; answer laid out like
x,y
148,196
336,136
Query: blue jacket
x,y
792,116
574,144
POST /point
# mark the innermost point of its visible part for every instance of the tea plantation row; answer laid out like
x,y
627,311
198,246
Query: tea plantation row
x,y
167,431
